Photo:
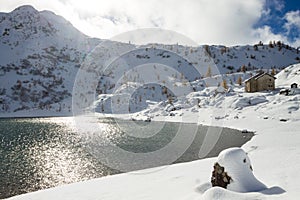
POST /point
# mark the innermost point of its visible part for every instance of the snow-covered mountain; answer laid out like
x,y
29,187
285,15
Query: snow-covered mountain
x,y
41,54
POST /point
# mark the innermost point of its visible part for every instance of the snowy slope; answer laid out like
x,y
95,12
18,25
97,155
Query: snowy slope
x,y
42,52
40,55
288,76
182,69
274,152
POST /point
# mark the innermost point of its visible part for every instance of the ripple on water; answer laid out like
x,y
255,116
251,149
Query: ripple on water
x,y
39,153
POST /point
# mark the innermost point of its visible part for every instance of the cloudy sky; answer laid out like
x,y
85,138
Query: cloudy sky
x,y
227,22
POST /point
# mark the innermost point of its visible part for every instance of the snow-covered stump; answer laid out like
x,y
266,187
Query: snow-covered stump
x,y
233,171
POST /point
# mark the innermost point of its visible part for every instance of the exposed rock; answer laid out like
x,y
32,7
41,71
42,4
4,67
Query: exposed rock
x,y
233,171
220,177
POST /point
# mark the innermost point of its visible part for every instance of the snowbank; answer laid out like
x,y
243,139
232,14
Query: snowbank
x,y
288,76
242,102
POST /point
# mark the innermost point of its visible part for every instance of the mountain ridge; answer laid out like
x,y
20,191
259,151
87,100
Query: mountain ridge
x,y
42,52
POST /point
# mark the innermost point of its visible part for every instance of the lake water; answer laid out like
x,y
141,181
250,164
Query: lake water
x,y
39,153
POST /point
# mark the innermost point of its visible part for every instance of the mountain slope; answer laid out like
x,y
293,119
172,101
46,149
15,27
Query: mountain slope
x,y
42,52
40,55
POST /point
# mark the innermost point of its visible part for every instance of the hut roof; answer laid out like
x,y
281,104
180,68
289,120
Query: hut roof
x,y
259,75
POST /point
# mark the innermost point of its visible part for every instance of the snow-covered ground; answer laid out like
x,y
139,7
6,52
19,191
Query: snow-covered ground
x,y
33,42
41,54
274,150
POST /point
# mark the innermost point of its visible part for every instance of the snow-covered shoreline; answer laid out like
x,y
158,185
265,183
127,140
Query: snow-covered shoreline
x,y
180,181
274,152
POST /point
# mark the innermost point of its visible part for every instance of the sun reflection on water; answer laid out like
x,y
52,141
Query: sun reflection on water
x,y
41,153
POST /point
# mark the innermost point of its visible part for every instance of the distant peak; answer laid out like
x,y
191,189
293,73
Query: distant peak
x,y
25,8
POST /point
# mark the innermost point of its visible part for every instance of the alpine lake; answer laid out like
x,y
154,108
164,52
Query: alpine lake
x,y
39,153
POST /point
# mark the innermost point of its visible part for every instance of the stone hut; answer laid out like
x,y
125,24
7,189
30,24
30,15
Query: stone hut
x,y
260,82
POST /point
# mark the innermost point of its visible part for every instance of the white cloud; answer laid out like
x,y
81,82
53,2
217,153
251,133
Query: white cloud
x,y
278,4
293,20
266,35
204,21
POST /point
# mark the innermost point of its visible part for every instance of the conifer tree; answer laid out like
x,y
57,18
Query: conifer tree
x,y
243,68
224,84
273,72
239,81
208,73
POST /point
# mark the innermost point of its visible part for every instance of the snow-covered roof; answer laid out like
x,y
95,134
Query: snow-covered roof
x,y
259,75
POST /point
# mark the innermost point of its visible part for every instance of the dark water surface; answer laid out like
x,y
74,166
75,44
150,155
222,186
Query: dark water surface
x,y
39,153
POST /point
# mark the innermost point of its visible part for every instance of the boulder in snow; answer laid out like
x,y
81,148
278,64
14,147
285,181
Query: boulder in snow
x,y
220,177
233,171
